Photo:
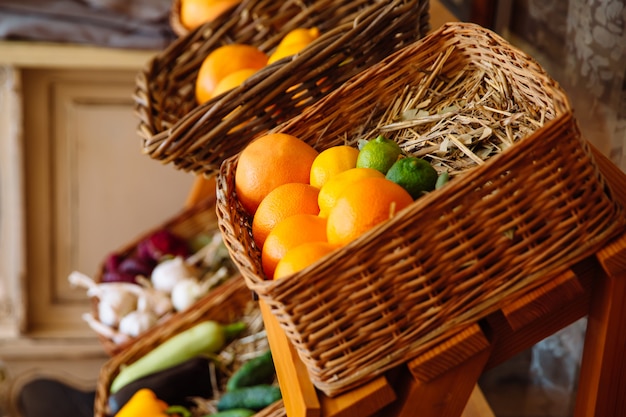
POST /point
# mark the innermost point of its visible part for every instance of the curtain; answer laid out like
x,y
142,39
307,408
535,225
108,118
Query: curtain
x,y
581,43
142,24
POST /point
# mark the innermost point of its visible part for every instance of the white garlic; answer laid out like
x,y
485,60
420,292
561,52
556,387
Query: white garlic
x,y
169,272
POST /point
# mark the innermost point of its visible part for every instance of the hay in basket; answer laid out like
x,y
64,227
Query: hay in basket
x,y
232,302
194,223
354,35
525,201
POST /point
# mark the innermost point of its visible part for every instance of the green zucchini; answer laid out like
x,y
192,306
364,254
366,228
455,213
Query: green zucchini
x,y
203,338
255,398
235,412
259,370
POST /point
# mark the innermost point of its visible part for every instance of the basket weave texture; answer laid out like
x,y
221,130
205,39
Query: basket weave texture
x,y
174,18
226,304
354,35
187,224
451,257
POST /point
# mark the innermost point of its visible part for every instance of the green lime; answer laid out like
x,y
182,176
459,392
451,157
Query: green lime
x,y
379,154
415,175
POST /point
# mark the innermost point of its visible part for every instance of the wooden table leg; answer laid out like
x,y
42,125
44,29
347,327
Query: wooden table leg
x,y
602,382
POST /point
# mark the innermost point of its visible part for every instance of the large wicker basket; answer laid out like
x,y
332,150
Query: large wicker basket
x,y
500,229
226,304
354,35
187,224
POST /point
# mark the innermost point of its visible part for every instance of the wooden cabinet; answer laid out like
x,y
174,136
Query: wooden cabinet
x,y
74,185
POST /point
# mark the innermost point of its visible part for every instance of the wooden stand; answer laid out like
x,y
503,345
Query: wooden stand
x,y
442,382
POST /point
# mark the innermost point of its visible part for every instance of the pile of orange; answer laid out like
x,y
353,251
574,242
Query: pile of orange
x,y
282,182
228,66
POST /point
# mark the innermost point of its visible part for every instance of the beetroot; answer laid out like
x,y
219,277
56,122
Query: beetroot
x,y
162,243
116,276
136,266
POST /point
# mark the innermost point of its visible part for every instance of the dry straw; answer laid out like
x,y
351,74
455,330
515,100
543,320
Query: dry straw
x,y
525,202
229,303
354,36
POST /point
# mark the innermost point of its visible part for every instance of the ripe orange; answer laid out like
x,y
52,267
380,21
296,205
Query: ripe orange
x,y
269,161
225,60
330,192
300,257
363,205
194,13
332,161
289,233
232,80
282,202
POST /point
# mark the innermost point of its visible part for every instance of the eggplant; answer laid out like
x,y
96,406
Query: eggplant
x,y
174,385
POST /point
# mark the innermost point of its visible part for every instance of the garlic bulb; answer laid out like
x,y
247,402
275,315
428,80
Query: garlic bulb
x,y
185,293
136,322
169,272
115,299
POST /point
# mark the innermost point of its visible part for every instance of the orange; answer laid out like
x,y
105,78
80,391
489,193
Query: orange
x,y
332,161
282,202
222,61
194,13
293,42
363,205
232,80
289,233
301,256
329,193
269,161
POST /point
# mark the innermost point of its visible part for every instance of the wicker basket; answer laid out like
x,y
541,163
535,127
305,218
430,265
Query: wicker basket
x,y
225,305
449,259
187,224
355,35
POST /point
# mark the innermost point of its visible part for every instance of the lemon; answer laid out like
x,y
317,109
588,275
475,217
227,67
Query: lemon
x,y
332,161
330,192
415,175
379,154
293,42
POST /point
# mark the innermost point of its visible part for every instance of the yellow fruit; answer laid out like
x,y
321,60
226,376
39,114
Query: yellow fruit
x,y
332,161
362,206
282,202
269,161
293,42
289,233
194,13
330,192
301,256
222,61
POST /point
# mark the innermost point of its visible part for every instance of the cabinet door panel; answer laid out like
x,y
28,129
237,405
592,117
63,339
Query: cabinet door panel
x,y
90,190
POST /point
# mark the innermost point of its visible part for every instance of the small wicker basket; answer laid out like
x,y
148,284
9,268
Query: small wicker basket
x,y
226,304
449,259
187,224
354,35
